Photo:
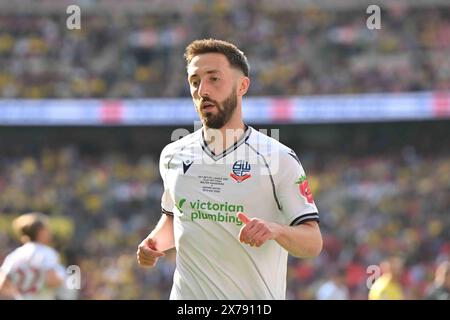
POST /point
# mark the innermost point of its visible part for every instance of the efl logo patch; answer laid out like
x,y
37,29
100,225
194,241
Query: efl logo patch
x,y
241,169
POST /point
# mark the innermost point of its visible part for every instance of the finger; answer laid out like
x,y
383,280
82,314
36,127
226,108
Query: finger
x,y
143,258
150,253
258,228
254,241
268,236
256,236
261,239
243,217
258,239
149,242
243,233
146,263
147,259
141,255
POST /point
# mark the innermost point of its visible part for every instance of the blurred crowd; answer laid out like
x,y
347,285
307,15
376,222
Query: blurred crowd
x,y
371,208
108,203
295,52
375,208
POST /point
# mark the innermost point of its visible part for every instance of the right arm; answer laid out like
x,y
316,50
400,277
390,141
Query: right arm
x,y
53,279
7,288
162,235
158,241
55,273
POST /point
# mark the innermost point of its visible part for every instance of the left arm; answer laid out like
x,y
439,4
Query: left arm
x,y
301,235
304,240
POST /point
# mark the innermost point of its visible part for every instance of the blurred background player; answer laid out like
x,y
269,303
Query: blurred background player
x,y
32,271
334,288
441,287
389,286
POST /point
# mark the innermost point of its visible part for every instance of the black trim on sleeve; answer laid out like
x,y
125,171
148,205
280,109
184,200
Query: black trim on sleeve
x,y
304,218
164,211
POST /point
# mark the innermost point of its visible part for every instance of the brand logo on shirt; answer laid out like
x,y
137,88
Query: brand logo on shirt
x,y
241,169
186,165
180,204
215,211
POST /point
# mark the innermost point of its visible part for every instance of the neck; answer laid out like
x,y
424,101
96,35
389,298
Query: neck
x,y
221,139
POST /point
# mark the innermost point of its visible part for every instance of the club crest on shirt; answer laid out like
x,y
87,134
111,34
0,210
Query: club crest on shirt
x,y
241,169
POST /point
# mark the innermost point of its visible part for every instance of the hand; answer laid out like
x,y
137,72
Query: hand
x,y
256,232
147,254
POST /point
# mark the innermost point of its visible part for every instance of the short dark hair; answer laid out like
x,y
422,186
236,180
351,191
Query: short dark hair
x,y
235,57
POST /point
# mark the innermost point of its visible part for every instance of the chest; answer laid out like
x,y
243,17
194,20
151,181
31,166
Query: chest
x,y
228,178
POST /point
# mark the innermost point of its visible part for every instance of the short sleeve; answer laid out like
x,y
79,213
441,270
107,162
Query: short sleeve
x,y
51,261
167,204
7,265
296,200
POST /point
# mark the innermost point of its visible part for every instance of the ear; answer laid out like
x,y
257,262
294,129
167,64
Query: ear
x,y
244,84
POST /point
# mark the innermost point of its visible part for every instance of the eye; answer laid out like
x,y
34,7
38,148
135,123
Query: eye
x,y
194,83
214,79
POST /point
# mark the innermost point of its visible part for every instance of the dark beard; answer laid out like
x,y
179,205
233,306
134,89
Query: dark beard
x,y
224,112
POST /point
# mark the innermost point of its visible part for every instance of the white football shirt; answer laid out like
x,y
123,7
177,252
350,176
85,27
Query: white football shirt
x,y
27,266
203,191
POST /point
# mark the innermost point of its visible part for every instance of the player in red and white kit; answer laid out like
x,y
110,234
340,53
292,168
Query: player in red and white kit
x,y
32,271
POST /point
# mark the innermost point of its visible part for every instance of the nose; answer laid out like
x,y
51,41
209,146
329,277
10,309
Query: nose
x,y
203,89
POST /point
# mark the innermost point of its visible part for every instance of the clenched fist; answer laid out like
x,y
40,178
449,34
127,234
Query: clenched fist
x,y
147,254
256,232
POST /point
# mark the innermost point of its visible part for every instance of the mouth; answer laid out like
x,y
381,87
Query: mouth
x,y
207,106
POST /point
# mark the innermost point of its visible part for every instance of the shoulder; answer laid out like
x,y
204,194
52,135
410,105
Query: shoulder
x,y
48,251
19,251
15,256
179,144
272,149
51,251
175,147
10,256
